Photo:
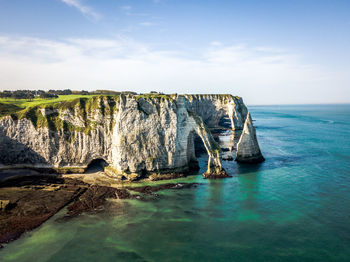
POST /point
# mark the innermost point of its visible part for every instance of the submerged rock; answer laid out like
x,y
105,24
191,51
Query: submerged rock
x,y
94,199
31,200
248,150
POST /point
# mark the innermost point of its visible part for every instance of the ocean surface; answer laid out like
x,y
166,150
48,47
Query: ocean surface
x,y
293,207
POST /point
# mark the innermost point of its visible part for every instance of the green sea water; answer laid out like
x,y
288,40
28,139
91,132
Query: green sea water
x,y
293,207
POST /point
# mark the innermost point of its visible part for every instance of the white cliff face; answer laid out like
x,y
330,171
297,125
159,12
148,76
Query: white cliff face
x,y
157,136
135,136
24,144
248,149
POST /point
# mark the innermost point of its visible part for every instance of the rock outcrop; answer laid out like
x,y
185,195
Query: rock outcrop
x,y
248,150
136,135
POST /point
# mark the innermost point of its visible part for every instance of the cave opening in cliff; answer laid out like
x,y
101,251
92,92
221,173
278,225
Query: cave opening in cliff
x,y
96,165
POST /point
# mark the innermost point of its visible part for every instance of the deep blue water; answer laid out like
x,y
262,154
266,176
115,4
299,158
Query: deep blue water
x,y
293,207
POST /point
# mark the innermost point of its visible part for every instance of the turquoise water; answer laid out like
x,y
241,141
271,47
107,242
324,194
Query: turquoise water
x,y
293,207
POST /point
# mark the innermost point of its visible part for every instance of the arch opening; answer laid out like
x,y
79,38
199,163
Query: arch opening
x,y
195,148
226,138
96,165
213,150
199,148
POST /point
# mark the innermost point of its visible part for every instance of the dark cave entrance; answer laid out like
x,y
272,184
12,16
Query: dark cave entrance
x,y
195,149
199,148
96,165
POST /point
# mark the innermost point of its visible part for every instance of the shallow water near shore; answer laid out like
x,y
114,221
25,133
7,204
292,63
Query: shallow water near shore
x,y
293,207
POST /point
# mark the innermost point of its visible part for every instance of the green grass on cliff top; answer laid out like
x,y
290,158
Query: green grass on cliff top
x,y
10,105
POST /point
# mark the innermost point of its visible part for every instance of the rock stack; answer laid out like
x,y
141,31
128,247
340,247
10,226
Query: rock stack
x,y
248,150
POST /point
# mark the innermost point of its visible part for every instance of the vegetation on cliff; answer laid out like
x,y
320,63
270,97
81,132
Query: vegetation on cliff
x,y
220,97
157,96
50,112
12,105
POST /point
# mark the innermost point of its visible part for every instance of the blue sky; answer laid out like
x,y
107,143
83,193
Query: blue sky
x,y
269,52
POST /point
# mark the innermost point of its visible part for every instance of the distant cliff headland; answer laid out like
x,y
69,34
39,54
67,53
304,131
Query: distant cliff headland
x,y
136,135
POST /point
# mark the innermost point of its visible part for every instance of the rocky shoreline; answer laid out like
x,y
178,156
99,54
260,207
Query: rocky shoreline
x,y
28,201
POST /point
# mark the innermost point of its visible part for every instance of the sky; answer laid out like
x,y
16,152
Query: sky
x,y
268,52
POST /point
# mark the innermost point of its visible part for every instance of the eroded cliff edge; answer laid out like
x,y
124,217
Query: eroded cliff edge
x,y
136,135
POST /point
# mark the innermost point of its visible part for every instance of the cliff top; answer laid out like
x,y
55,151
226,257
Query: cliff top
x,y
9,106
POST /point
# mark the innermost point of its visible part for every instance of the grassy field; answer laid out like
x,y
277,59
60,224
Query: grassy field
x,y
11,105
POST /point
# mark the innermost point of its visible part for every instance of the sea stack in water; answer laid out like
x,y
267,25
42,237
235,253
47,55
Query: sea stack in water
x,y
248,150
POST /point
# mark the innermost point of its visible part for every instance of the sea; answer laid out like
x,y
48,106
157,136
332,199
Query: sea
x,y
293,207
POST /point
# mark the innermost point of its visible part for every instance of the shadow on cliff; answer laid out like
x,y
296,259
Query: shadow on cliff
x,y
13,152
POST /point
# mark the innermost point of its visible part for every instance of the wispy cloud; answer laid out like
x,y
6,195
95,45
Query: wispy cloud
x,y
261,75
84,9
146,23
216,43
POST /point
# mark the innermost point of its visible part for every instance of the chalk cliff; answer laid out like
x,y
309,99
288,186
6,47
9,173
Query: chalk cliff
x,y
136,135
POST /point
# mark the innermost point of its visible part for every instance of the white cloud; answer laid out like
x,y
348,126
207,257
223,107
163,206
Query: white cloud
x,y
147,23
216,43
261,76
86,10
